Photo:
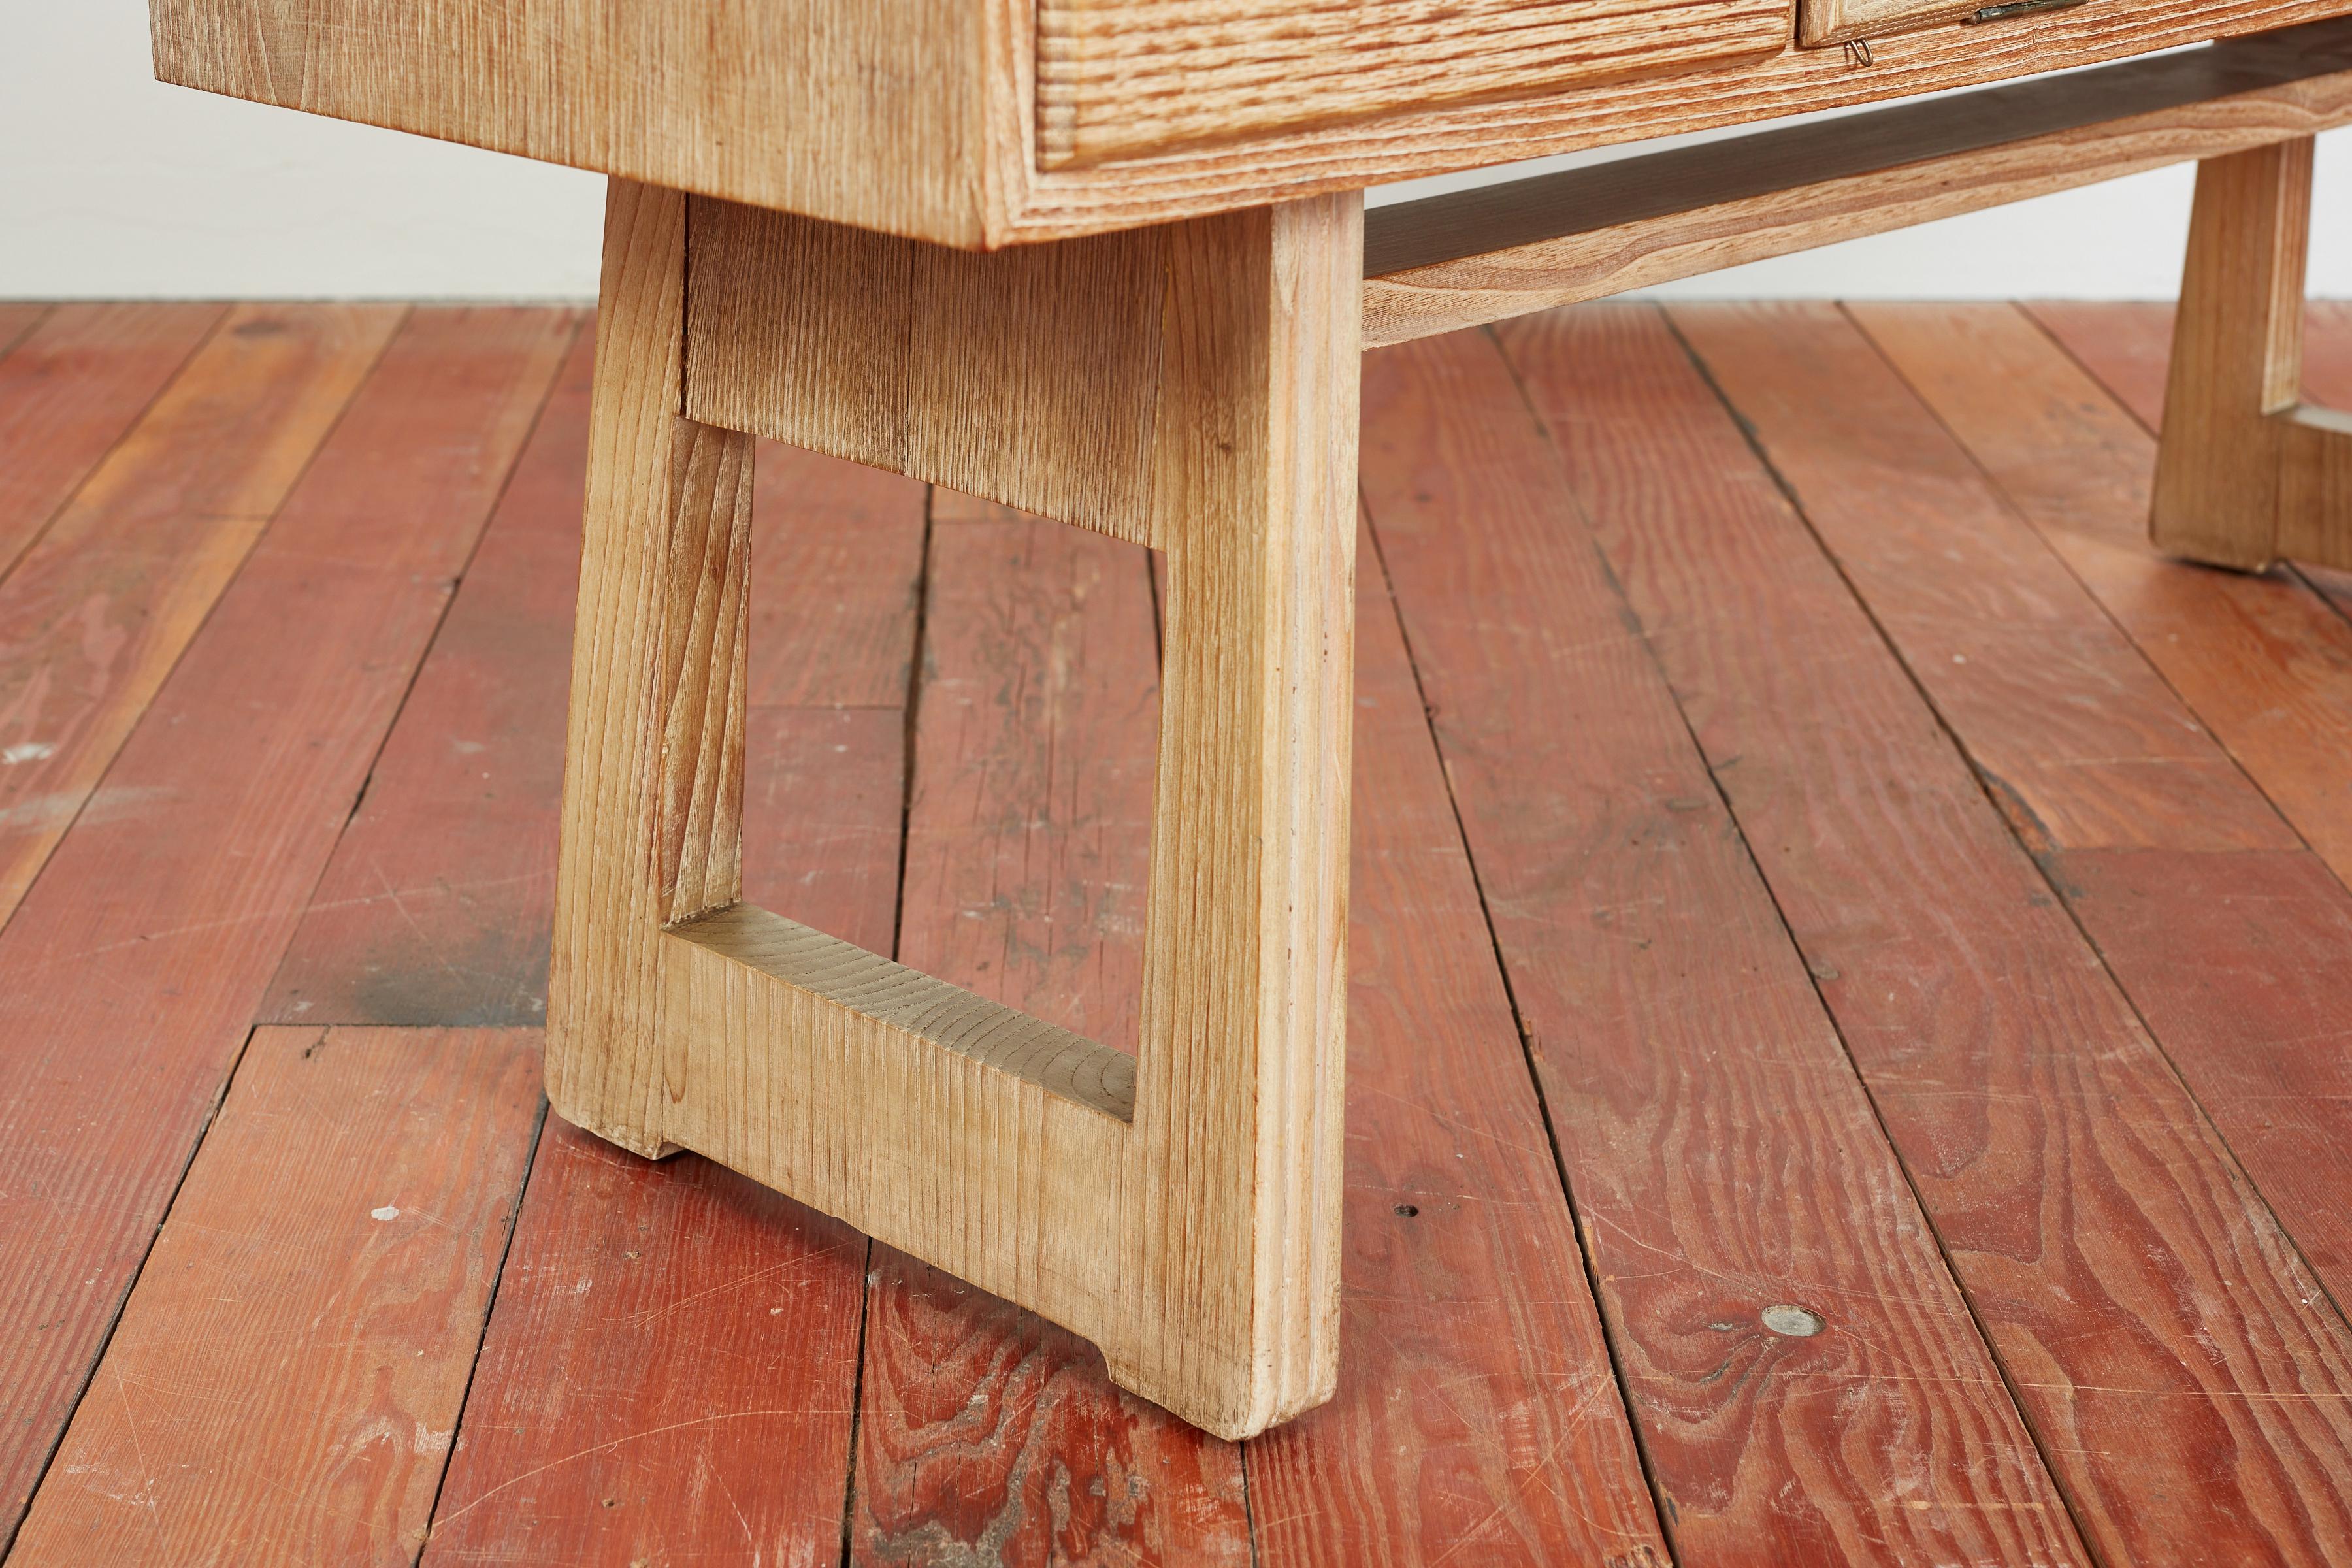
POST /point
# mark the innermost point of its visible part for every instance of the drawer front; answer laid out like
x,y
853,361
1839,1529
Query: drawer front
x,y
1823,22
1121,77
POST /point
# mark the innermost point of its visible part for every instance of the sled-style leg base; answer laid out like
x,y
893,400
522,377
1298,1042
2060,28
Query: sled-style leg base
x,y
2247,473
1190,388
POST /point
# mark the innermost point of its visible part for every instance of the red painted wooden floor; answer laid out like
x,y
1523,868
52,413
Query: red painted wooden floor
x,y
1849,1040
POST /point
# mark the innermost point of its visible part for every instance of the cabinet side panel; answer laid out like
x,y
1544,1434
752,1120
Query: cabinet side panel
x,y
864,111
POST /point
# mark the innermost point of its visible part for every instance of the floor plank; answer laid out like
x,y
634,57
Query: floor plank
x,y
984,1432
668,1377
670,1373
2073,732
672,1370
2263,661
2225,954
2238,965
843,545
438,907
1477,1419
2127,347
78,377
2158,1330
129,974
1862,455
1030,818
17,318
1732,1185
285,1379
95,613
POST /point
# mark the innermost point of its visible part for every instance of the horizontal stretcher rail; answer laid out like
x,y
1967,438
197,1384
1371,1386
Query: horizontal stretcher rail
x,y
1483,255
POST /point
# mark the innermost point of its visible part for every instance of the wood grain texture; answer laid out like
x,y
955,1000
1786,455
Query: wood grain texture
x,y
668,1376
704,1380
2237,359
2236,963
836,569
1029,830
76,379
2075,736
2219,932
438,904
435,907
333,1252
900,121
1723,1157
2328,352
1821,23
871,114
824,794
1477,1414
989,1435
1026,377
2086,1205
1831,22
1242,1076
603,968
1126,77
2127,348
99,608
1194,1243
700,664
163,917
2315,518
985,1433
2246,472
1166,186
2263,662
1504,249
2327,381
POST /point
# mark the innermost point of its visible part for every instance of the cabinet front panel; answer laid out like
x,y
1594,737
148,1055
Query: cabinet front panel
x,y
1119,77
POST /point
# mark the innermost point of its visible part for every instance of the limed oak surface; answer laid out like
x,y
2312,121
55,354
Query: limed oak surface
x,y
945,122
1504,249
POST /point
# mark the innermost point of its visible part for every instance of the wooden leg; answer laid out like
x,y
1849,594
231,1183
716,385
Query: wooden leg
x,y
2246,473
1192,387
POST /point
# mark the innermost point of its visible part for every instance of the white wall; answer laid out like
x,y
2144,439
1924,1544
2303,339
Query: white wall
x,y
112,184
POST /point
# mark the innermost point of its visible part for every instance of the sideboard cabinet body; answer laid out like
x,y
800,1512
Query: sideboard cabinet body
x,y
984,122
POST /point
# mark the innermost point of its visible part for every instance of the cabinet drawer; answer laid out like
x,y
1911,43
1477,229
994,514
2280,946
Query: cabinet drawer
x,y
1823,22
1119,77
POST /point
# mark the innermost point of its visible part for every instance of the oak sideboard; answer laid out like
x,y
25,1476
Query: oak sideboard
x,y
1109,261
